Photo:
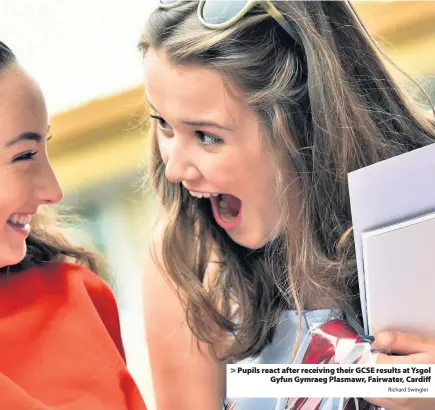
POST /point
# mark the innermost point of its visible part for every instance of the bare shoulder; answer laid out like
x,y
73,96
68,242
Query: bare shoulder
x,y
184,376
154,270
161,299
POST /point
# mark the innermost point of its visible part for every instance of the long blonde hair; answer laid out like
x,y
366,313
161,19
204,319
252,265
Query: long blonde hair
x,y
329,107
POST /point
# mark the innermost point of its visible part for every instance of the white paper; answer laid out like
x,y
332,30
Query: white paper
x,y
387,192
399,272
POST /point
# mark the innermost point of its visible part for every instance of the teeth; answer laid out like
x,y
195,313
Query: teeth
x,y
23,220
201,195
14,219
20,219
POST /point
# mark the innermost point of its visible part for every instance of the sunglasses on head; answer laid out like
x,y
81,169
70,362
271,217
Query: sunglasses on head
x,y
219,14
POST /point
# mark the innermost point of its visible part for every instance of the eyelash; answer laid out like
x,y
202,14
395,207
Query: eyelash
x,y
216,140
200,134
159,120
28,156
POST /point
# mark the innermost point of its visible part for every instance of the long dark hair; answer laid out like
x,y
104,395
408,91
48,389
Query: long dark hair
x,y
47,242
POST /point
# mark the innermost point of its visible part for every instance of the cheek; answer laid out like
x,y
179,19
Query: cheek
x,y
12,246
162,148
239,171
17,193
259,173
222,173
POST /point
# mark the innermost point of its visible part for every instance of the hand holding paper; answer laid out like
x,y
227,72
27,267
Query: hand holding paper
x,y
412,349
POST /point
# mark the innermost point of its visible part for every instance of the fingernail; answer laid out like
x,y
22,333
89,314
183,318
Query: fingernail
x,y
368,338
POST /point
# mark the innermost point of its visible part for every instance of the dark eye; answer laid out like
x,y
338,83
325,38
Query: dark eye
x,y
162,123
208,139
28,156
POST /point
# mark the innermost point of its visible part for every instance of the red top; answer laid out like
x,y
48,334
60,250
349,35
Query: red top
x,y
60,343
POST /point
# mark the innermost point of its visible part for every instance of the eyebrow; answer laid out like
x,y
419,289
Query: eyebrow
x,y
26,136
199,123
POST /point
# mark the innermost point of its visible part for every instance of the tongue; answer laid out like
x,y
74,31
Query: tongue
x,y
232,202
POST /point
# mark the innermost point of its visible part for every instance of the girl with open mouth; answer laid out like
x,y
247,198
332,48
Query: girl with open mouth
x,y
259,110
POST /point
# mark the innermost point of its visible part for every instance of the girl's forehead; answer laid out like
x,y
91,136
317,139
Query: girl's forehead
x,y
22,105
186,90
17,87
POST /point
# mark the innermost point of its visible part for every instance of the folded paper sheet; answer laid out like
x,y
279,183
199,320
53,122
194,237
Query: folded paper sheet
x,y
388,192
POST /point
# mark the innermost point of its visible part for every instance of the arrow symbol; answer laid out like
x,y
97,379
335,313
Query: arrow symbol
x,y
233,370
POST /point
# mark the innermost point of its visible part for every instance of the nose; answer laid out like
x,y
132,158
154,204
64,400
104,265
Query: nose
x,y
47,189
179,166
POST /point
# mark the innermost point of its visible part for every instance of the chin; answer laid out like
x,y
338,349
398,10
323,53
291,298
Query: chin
x,y
249,241
254,240
12,257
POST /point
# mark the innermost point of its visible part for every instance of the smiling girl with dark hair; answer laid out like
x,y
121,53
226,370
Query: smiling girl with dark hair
x,y
60,344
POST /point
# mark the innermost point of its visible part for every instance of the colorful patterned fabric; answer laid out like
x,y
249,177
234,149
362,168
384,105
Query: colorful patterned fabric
x,y
317,347
322,349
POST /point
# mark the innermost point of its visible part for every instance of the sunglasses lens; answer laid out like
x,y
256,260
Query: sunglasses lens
x,y
221,11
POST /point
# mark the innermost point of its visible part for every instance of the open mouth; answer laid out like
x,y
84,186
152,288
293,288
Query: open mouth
x,y
227,210
229,206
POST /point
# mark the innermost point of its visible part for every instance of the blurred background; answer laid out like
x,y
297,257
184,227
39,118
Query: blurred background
x,y
84,55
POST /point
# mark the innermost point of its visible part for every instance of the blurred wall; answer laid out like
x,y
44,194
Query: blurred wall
x,y
405,30
98,151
